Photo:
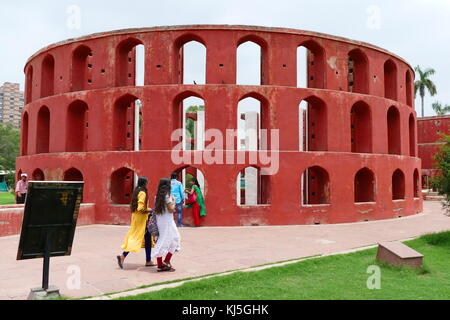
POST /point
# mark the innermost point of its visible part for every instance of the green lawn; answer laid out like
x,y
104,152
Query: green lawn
x,y
7,198
334,277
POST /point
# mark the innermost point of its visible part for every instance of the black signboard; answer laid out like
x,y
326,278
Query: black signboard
x,y
49,221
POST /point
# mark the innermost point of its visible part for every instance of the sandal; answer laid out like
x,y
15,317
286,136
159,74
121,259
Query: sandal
x,y
166,268
120,262
150,264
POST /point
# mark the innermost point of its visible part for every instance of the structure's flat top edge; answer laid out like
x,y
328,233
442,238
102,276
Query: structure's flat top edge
x,y
215,27
434,118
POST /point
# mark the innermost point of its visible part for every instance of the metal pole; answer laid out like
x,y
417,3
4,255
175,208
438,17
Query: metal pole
x,y
46,269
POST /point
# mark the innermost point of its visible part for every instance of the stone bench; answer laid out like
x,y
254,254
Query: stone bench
x,y
399,254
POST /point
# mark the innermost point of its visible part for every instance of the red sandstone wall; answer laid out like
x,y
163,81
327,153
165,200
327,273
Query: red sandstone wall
x,y
11,218
429,130
392,147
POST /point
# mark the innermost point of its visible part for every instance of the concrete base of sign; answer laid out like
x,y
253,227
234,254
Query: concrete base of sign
x,y
41,294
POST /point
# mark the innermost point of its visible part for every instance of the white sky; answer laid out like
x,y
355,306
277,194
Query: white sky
x,y
417,30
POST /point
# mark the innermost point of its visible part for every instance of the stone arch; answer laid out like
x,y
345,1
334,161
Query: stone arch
x,y
124,123
122,185
361,127
81,68
409,88
25,126
29,85
126,62
315,64
412,135
394,133
191,54
364,186
358,72
416,182
390,80
253,44
315,186
253,187
77,126
73,174
316,125
43,130
38,175
48,76
398,185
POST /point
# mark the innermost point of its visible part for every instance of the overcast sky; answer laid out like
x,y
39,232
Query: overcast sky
x,y
417,30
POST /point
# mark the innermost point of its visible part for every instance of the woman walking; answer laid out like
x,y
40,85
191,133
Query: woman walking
x,y
138,236
196,201
169,238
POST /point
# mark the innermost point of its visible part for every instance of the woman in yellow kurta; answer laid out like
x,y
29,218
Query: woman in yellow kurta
x,y
138,237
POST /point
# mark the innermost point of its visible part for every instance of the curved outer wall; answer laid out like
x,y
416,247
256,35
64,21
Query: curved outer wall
x,y
50,82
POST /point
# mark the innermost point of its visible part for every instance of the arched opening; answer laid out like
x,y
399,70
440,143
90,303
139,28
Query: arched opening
x,y
253,187
364,187
73,175
358,72
124,118
127,63
186,174
390,80
394,134
192,57
29,85
398,185
409,89
77,127
310,65
313,124
361,128
81,68
425,182
253,123
122,185
249,64
315,186
43,131
412,136
38,175
47,76
25,122
416,182
189,116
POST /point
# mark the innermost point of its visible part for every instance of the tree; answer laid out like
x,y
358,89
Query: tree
x,y
424,84
9,147
440,110
442,182
190,124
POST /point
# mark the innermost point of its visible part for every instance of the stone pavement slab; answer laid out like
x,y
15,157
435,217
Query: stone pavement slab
x,y
204,251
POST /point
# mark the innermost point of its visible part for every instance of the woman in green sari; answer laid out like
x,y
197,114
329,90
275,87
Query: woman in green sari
x,y
196,201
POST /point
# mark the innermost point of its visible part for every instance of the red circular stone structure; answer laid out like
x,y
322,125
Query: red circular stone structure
x,y
359,161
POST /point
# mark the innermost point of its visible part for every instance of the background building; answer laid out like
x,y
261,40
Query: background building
x,y
429,133
11,104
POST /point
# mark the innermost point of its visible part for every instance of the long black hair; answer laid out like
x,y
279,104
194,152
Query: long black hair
x,y
141,187
164,190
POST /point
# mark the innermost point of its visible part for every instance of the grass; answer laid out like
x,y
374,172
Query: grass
x,y
340,277
7,198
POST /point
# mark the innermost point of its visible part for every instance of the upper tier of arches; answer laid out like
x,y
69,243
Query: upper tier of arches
x,y
113,60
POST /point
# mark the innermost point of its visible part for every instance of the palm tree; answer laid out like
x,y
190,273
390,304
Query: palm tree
x,y
424,83
439,109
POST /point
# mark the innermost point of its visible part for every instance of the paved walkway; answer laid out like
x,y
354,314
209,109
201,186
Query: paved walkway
x,y
204,251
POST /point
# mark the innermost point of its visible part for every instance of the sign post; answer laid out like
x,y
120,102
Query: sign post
x,y
48,228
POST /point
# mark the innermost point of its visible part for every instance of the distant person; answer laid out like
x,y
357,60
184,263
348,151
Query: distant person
x,y
177,191
138,236
169,238
21,189
196,201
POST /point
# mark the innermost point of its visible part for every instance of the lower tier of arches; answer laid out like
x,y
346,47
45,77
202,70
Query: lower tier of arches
x,y
287,188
